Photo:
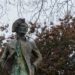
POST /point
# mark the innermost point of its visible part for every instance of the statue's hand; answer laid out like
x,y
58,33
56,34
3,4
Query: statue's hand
x,y
32,71
34,67
35,64
3,71
1,63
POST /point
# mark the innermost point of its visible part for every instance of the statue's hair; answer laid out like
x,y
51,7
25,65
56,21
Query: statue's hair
x,y
17,23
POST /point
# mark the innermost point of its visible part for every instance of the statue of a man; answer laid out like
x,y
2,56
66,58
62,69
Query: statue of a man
x,y
16,58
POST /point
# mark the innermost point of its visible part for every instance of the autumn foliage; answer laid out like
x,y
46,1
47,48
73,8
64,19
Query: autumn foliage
x,y
57,46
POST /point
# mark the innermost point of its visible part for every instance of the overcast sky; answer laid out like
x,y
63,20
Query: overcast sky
x,y
10,10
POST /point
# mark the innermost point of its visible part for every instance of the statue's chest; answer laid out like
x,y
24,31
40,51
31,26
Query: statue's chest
x,y
26,47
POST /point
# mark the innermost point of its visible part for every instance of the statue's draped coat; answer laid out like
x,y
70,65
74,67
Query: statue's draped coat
x,y
9,52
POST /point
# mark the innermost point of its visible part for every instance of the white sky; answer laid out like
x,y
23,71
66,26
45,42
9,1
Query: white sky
x,y
9,12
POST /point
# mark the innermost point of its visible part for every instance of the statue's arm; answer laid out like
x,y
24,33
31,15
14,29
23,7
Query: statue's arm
x,y
3,71
3,57
38,54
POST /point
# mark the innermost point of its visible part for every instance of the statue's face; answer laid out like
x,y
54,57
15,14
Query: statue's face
x,y
22,29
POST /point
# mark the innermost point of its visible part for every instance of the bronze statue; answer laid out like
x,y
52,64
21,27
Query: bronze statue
x,y
16,58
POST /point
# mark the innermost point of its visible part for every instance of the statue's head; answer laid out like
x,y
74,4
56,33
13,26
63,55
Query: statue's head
x,y
20,27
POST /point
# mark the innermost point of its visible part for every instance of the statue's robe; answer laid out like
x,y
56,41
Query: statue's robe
x,y
26,47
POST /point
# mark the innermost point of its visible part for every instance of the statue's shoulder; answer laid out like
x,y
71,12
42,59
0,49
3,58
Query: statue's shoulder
x,y
32,43
12,43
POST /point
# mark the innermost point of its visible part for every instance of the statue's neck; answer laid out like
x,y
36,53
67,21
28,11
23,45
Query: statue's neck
x,y
21,37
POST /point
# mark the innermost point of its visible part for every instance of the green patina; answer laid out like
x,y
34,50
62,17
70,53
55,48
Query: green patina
x,y
19,67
